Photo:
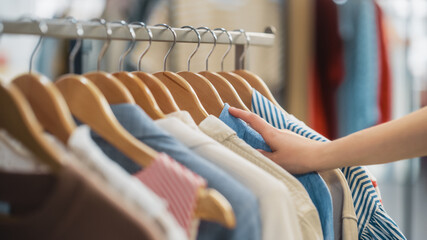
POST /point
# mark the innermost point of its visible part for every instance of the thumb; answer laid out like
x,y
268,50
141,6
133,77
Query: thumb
x,y
258,124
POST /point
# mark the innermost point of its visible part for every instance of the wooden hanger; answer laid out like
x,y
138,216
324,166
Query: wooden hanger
x,y
48,105
183,94
113,90
226,91
242,87
205,91
254,80
213,206
181,91
45,100
140,92
17,118
89,105
161,93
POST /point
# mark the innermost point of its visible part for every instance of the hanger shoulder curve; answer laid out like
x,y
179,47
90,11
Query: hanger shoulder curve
x,y
87,104
111,88
225,89
242,87
256,82
17,118
48,105
183,94
213,206
205,91
160,92
141,93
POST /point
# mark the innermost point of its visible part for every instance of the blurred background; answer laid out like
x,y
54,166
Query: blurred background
x,y
338,65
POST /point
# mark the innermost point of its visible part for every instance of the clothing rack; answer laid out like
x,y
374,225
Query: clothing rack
x,y
63,28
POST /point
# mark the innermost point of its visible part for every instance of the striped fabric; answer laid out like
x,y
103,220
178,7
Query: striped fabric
x,y
373,221
176,184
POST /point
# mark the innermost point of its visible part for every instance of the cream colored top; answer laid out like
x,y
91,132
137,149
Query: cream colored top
x,y
307,214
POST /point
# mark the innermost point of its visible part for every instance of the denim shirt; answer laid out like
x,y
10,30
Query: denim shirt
x,y
312,182
242,200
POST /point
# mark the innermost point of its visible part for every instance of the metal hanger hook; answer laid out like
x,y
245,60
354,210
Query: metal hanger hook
x,y
106,44
173,44
245,49
77,46
150,39
230,45
214,45
43,30
199,39
131,46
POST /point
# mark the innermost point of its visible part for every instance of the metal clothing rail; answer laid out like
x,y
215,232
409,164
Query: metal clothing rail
x,y
62,28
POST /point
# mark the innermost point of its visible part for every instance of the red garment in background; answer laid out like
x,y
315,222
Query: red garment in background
x,y
328,69
316,112
384,95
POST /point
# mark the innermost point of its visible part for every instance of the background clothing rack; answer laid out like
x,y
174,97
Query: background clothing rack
x,y
62,28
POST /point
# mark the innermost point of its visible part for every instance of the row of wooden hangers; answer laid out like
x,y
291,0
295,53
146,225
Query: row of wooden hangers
x,y
32,104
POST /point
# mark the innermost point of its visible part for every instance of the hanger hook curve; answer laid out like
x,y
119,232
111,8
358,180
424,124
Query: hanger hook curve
x,y
242,57
77,46
214,45
106,44
131,46
43,30
173,44
230,44
150,39
199,39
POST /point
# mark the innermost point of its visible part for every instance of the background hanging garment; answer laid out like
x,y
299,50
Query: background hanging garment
x,y
358,94
328,67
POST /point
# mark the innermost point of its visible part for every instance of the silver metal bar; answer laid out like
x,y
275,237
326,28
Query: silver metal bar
x,y
61,28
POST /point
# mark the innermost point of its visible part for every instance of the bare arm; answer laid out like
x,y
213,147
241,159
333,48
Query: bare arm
x,y
398,139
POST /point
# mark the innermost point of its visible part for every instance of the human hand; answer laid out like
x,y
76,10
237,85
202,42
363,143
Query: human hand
x,y
293,152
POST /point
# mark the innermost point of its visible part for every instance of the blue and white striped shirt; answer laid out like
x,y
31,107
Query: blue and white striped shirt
x,y
373,221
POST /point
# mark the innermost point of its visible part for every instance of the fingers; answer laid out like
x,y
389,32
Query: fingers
x,y
257,123
267,154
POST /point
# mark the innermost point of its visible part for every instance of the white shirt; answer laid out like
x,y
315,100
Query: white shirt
x,y
276,205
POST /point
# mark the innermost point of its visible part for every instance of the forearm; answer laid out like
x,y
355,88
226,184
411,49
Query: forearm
x,y
399,139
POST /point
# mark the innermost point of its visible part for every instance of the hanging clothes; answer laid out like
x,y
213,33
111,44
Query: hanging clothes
x,y
385,81
177,185
328,65
244,203
276,206
358,94
65,204
373,221
313,183
308,217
